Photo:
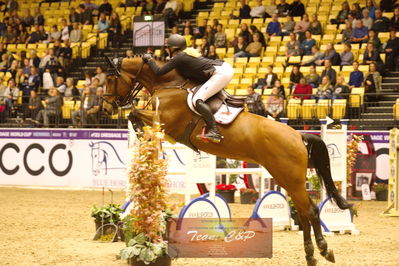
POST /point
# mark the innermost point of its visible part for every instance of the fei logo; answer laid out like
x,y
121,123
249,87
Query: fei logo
x,y
104,157
333,151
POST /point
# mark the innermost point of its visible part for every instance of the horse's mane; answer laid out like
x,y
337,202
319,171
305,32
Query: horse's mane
x,y
161,59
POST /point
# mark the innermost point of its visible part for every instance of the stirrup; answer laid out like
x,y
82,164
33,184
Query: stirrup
x,y
209,137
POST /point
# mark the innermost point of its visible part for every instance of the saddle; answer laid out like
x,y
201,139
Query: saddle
x,y
224,106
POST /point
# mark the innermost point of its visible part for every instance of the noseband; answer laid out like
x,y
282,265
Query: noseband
x,y
136,85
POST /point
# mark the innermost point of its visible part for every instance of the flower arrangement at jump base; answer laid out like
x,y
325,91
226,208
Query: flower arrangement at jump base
x,y
351,155
148,190
381,191
226,191
248,195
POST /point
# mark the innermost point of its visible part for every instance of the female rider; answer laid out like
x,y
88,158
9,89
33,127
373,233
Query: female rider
x,y
214,74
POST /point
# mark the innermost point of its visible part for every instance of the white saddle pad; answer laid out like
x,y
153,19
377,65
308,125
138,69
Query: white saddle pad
x,y
225,115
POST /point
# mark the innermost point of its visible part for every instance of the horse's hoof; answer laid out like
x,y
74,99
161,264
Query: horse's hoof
x,y
330,256
311,262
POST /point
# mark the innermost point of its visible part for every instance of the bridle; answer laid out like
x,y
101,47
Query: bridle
x,y
120,101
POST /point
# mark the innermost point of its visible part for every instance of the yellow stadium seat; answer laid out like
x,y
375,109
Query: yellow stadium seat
x,y
323,108
241,92
356,97
271,51
294,108
241,61
339,109
221,52
294,59
308,109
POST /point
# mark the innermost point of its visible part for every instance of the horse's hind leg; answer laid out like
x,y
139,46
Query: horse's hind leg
x,y
321,242
303,205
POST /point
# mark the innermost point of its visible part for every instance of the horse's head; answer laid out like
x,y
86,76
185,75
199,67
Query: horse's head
x,y
121,85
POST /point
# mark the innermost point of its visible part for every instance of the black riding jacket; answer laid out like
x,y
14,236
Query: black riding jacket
x,y
198,69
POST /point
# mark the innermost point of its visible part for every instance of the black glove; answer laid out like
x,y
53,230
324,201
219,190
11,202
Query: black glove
x,y
147,57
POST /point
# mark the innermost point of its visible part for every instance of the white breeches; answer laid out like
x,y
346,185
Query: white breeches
x,y
219,80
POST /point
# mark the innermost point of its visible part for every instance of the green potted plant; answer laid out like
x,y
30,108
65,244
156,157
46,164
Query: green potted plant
x,y
226,191
146,227
381,191
248,195
108,214
314,181
294,214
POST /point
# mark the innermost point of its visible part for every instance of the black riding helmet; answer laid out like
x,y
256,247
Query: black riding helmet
x,y
176,41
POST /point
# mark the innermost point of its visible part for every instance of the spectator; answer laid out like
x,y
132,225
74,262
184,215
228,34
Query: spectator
x,y
347,55
34,60
347,32
53,64
169,12
26,67
60,85
13,68
212,53
200,31
71,92
297,9
34,105
280,88
187,24
381,23
329,54
215,25
315,26
295,76
103,24
34,37
253,49
254,102
4,63
308,43
209,35
3,50
204,47
74,17
27,19
392,50
94,114
367,21
288,27
52,109
387,5
302,90
239,47
38,18
395,19
283,8
100,75
356,11
188,36
11,94
33,79
245,33
65,56
115,30
371,8
65,29
88,78
93,8
55,33
342,14
270,77
220,37
302,25
273,28
325,89
292,46
159,6
10,36
371,54
85,16
87,103
258,11
313,79
76,34
341,90
356,77
271,9
105,8
43,35
373,38
245,10
360,33
330,72
275,104
372,82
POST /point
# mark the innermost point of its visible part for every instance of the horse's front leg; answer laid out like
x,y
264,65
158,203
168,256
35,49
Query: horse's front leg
x,y
139,118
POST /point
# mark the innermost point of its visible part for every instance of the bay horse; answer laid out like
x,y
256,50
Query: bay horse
x,y
283,151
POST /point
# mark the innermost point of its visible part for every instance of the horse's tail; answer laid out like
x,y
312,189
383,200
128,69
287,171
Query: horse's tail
x,y
319,159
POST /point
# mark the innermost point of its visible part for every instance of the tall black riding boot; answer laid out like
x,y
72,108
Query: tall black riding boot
x,y
212,133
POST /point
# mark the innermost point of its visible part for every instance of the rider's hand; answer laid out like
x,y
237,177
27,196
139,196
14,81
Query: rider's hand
x,y
147,57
